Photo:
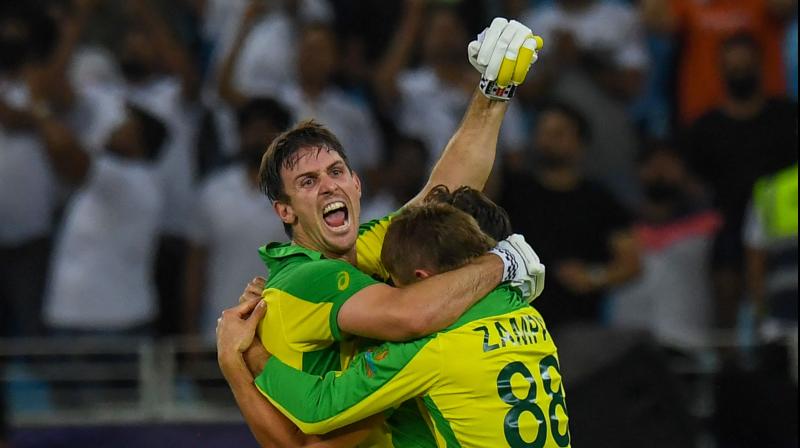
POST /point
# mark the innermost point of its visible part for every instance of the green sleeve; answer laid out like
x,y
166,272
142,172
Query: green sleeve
x,y
325,281
376,380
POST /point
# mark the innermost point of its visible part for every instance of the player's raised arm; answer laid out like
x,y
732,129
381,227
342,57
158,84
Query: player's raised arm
x,y
503,53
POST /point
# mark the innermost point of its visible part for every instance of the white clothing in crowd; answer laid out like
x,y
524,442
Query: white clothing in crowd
x,y
602,26
672,298
28,186
432,110
102,268
161,97
267,59
349,120
232,220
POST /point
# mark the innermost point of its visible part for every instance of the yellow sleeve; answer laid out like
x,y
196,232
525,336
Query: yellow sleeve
x,y
369,245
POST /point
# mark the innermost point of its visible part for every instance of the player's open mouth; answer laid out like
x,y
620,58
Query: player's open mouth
x,y
336,216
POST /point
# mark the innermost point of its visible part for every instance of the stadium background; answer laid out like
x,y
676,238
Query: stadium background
x,y
668,357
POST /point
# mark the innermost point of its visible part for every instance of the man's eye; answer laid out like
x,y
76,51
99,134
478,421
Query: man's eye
x,y
336,172
307,182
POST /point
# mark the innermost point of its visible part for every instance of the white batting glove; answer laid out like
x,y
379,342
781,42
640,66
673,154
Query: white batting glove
x,y
521,266
503,54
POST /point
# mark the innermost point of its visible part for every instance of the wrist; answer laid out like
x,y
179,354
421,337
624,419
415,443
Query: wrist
x,y
231,362
495,92
495,264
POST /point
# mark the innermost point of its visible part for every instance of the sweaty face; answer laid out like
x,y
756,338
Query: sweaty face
x,y
324,202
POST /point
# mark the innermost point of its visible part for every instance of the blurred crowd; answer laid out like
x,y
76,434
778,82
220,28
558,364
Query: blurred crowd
x,y
650,158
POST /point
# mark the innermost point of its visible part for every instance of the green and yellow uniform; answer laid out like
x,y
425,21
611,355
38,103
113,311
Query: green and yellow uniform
x,y
304,294
491,379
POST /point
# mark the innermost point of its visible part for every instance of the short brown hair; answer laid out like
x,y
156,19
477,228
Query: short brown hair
x,y
433,236
282,152
491,218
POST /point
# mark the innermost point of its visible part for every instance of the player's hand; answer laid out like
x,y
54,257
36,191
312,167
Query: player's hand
x,y
503,54
236,328
253,290
522,266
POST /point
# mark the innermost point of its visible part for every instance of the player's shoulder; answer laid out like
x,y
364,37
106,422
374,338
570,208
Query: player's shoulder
x,y
501,301
375,224
319,280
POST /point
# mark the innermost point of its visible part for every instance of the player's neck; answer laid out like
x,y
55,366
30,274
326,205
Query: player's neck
x,y
349,256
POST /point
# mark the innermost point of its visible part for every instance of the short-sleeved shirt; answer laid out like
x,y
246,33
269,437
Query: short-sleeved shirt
x,y
492,379
304,294
100,277
577,225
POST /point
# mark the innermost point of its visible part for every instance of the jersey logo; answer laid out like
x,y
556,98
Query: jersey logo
x,y
371,356
343,280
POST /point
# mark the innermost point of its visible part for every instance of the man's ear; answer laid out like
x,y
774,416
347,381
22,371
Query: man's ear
x,y
285,212
422,274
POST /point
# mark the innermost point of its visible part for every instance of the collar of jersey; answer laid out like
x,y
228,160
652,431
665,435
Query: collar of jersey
x,y
277,251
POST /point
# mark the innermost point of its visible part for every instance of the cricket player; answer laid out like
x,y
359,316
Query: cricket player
x,y
321,290
491,379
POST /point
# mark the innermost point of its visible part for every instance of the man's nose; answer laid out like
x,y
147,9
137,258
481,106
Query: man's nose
x,y
327,185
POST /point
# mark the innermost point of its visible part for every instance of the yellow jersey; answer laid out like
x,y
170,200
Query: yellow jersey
x,y
492,379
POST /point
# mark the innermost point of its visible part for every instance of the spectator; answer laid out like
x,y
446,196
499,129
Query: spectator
x,y
101,278
160,77
28,188
314,95
702,27
232,220
597,62
770,238
253,54
268,46
605,29
672,299
400,178
581,233
749,136
428,102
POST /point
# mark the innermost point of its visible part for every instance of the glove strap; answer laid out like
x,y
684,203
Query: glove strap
x,y
510,266
495,92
